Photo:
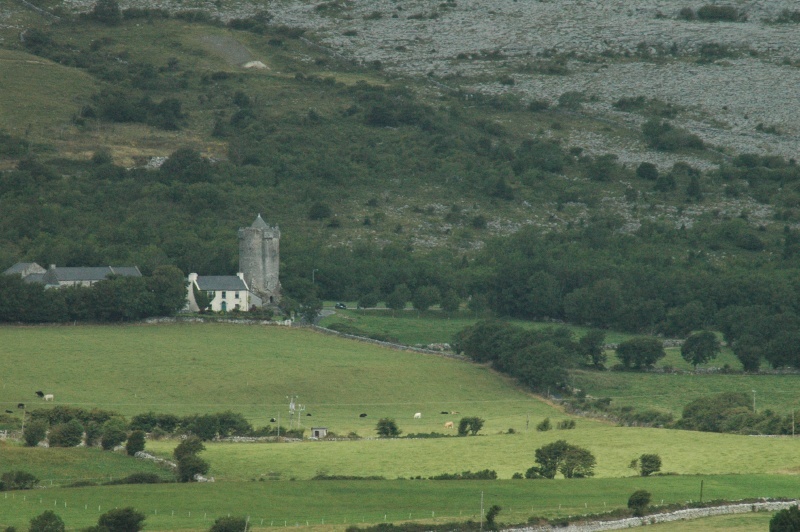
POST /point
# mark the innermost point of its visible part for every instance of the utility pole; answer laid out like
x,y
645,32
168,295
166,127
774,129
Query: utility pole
x,y
315,270
754,401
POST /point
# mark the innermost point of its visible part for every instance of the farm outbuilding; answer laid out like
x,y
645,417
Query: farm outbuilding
x,y
319,432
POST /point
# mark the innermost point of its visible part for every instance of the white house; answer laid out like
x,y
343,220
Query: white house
x,y
227,292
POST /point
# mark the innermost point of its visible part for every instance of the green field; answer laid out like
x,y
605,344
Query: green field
x,y
337,504
411,327
187,368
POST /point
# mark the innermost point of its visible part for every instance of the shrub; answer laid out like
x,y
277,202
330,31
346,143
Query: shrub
x,y
191,466
229,524
121,520
135,443
486,474
67,434
469,425
34,433
720,13
566,424
663,136
787,520
638,502
320,211
17,480
649,464
113,434
387,428
687,13
106,12
47,521
544,425
137,478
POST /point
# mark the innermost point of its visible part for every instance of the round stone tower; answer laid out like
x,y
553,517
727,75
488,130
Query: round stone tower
x,y
259,256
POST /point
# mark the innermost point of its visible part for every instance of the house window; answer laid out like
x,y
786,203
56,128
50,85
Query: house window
x,y
224,295
236,295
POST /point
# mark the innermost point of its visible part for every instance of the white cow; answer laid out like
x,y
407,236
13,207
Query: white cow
x,y
448,425
48,397
418,415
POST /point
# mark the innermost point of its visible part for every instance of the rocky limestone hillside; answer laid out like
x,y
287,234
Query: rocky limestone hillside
x,y
735,84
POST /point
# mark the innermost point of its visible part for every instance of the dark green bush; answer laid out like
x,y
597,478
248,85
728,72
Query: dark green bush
x,y
720,13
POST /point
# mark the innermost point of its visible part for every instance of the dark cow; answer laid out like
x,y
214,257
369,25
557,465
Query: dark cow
x,y
308,415
9,411
40,394
362,415
20,405
445,412
272,420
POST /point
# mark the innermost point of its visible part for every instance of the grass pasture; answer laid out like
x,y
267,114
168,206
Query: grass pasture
x,y
188,368
412,327
65,466
185,369
682,452
673,391
330,505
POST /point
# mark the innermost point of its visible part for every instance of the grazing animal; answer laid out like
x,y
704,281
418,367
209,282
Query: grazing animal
x,y
9,411
272,420
418,415
309,415
362,415
454,413
49,397
445,412
20,405
40,394
448,425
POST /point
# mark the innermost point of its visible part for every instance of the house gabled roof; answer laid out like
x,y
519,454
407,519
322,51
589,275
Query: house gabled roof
x,y
220,282
22,268
56,275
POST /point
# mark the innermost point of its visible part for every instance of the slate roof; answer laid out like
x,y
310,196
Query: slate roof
x,y
259,223
88,273
19,268
34,278
220,282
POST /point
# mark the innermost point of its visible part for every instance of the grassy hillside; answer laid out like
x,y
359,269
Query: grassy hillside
x,y
185,369
59,466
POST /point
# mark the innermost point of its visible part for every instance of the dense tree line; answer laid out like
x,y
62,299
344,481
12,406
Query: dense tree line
x,y
538,359
111,300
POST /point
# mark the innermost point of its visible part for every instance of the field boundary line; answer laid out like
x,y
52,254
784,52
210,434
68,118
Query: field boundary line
x,y
398,347
678,515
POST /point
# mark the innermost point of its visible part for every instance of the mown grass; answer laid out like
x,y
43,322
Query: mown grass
x,y
682,452
333,505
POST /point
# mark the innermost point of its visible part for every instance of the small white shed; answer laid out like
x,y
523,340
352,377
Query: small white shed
x,y
319,432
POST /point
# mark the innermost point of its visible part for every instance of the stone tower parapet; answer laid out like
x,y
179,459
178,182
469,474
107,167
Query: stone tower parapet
x,y
259,259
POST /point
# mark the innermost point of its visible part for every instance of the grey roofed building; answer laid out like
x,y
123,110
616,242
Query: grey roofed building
x,y
85,275
25,269
227,292
220,282
69,276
